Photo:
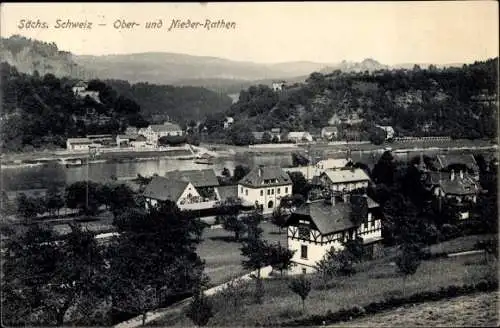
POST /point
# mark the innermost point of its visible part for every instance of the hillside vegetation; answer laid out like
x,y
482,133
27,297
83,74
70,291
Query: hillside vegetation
x,y
457,102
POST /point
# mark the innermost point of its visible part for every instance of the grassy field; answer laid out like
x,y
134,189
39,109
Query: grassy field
x,y
375,281
222,253
478,310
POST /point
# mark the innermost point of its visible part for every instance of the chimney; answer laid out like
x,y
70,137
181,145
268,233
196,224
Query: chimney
x,y
452,177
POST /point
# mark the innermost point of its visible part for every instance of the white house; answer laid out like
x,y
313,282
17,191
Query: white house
x,y
329,132
278,85
317,226
389,130
190,190
80,90
78,143
344,180
298,136
228,122
156,131
131,140
332,163
265,186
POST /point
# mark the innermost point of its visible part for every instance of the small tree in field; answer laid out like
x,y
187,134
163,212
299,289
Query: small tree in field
x,y
325,267
200,309
301,286
408,261
280,257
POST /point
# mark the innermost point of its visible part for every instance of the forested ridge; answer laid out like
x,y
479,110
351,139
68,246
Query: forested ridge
x,y
460,102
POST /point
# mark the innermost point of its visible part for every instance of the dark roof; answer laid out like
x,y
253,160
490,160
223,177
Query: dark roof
x,y
161,188
256,177
444,161
459,186
327,218
226,192
199,178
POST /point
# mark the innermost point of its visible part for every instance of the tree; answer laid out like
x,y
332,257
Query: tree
x,y
240,171
200,309
49,279
256,252
377,136
383,171
408,261
279,217
27,207
83,195
326,267
301,286
280,257
54,200
299,182
231,222
226,173
156,250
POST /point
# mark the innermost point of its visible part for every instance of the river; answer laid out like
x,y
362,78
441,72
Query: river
x,y
38,177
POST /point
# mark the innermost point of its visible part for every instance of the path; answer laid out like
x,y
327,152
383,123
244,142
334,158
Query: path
x,y
157,314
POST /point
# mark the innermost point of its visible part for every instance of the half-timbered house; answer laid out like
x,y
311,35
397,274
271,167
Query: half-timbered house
x,y
317,226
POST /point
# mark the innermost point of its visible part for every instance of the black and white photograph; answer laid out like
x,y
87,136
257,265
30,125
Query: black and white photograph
x,y
265,164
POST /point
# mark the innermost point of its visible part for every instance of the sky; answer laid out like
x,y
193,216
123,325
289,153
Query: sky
x,y
327,32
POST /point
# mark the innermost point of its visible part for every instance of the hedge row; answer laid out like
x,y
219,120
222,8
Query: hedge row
x,y
393,302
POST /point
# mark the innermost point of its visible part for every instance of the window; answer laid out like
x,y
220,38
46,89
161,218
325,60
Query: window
x,y
262,192
278,191
246,192
366,225
373,223
241,189
272,191
286,190
268,192
304,232
303,252
270,204
304,271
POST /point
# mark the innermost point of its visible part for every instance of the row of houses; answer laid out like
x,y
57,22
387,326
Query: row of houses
x,y
137,138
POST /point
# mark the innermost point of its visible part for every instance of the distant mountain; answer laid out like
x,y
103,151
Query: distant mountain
x,y
368,64
181,69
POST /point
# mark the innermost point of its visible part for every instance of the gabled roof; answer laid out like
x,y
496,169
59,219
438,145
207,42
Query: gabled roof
x,y
444,161
326,218
459,186
199,178
163,189
371,203
346,175
166,127
256,177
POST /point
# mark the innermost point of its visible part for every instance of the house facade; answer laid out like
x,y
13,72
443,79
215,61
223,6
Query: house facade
x,y
79,143
329,132
299,136
316,227
389,131
131,140
344,180
265,186
190,190
156,131
278,85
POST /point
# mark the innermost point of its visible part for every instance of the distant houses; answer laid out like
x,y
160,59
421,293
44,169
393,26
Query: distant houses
x,y
228,122
344,181
131,140
78,143
278,85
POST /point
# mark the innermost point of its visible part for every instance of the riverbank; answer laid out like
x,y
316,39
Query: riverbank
x,y
223,151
